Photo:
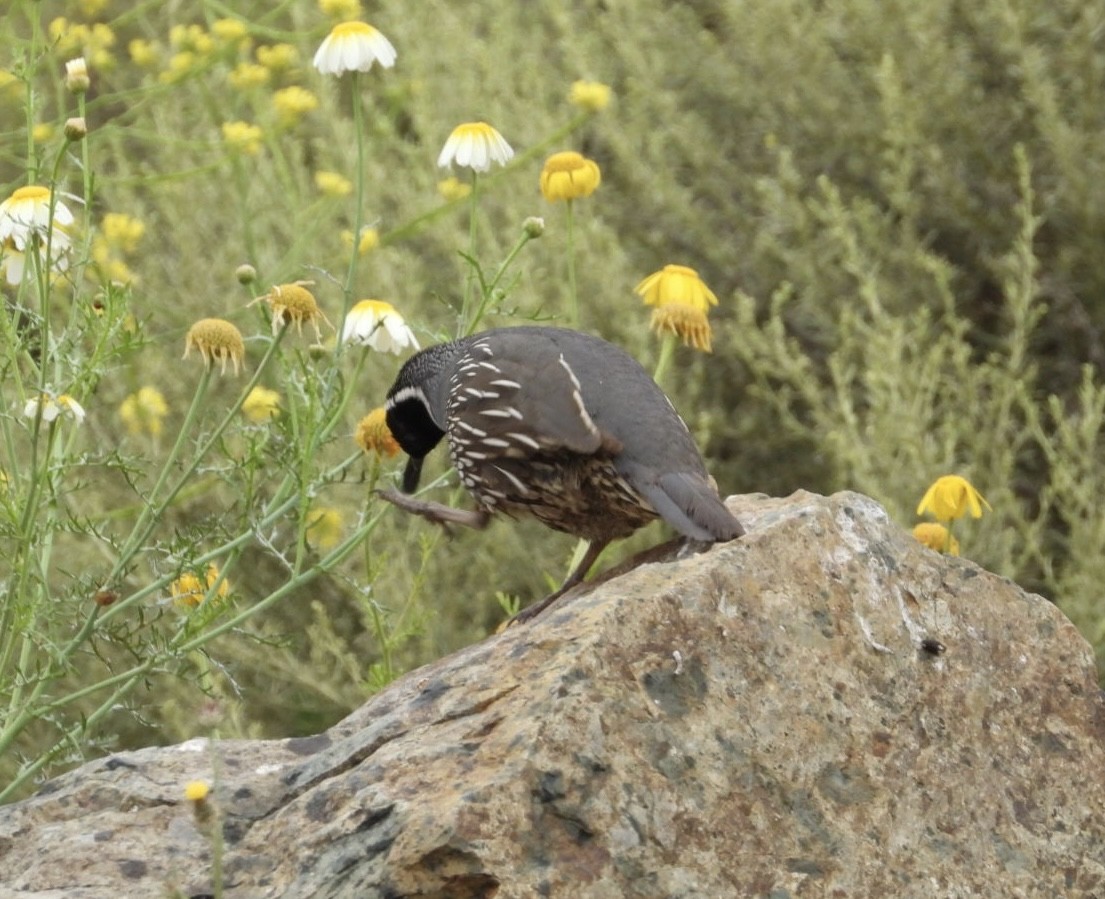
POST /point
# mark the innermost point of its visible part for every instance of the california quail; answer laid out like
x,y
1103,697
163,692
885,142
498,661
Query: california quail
x,y
555,424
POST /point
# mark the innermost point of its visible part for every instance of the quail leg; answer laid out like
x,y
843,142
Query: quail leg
x,y
594,549
438,513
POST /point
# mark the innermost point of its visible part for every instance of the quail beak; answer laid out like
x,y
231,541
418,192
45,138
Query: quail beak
x,y
412,473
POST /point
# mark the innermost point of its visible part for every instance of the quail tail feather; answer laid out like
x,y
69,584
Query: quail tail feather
x,y
690,504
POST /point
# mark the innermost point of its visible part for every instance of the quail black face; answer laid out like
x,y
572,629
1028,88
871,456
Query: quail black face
x,y
408,410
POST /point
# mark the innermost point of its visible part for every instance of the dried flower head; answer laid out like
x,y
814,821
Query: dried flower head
x,y
217,340
374,435
293,304
76,75
951,497
377,324
569,176
936,536
475,145
353,47
688,323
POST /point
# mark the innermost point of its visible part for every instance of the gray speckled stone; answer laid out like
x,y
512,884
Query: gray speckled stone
x,y
760,720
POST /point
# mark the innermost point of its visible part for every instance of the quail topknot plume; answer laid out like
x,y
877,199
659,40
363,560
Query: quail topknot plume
x,y
559,425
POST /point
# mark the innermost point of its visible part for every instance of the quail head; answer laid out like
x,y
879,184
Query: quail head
x,y
555,424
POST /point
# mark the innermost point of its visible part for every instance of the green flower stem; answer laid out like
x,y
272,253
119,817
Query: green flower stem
x,y
573,295
70,738
358,209
667,351
470,278
152,509
488,290
334,557
129,679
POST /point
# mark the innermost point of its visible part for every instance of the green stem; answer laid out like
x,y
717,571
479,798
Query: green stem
x,y
488,290
573,295
667,351
359,181
473,208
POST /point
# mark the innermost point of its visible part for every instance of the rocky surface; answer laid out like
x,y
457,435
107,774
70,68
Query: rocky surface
x,y
823,708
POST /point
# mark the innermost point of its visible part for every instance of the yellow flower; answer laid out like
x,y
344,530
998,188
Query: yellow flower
x,y
11,88
261,404
951,497
191,38
293,304
688,323
936,536
590,95
333,184
216,339
370,240
340,9
475,145
144,411
143,53
52,407
568,176
676,285
42,132
682,300
292,104
243,137
374,435
377,324
353,47
278,57
189,590
231,31
180,66
247,76
123,232
452,188
196,791
324,527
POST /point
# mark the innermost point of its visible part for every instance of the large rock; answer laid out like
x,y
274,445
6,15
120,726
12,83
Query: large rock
x,y
772,718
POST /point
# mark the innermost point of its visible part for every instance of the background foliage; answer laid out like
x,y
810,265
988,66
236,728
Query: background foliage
x,y
899,205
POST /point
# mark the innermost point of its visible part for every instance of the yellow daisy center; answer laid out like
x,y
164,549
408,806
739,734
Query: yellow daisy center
x,y
32,192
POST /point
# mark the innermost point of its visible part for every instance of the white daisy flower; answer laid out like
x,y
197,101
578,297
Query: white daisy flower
x,y
475,145
377,324
353,47
27,212
52,407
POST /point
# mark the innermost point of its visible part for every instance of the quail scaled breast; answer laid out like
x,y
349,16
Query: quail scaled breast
x,y
555,424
